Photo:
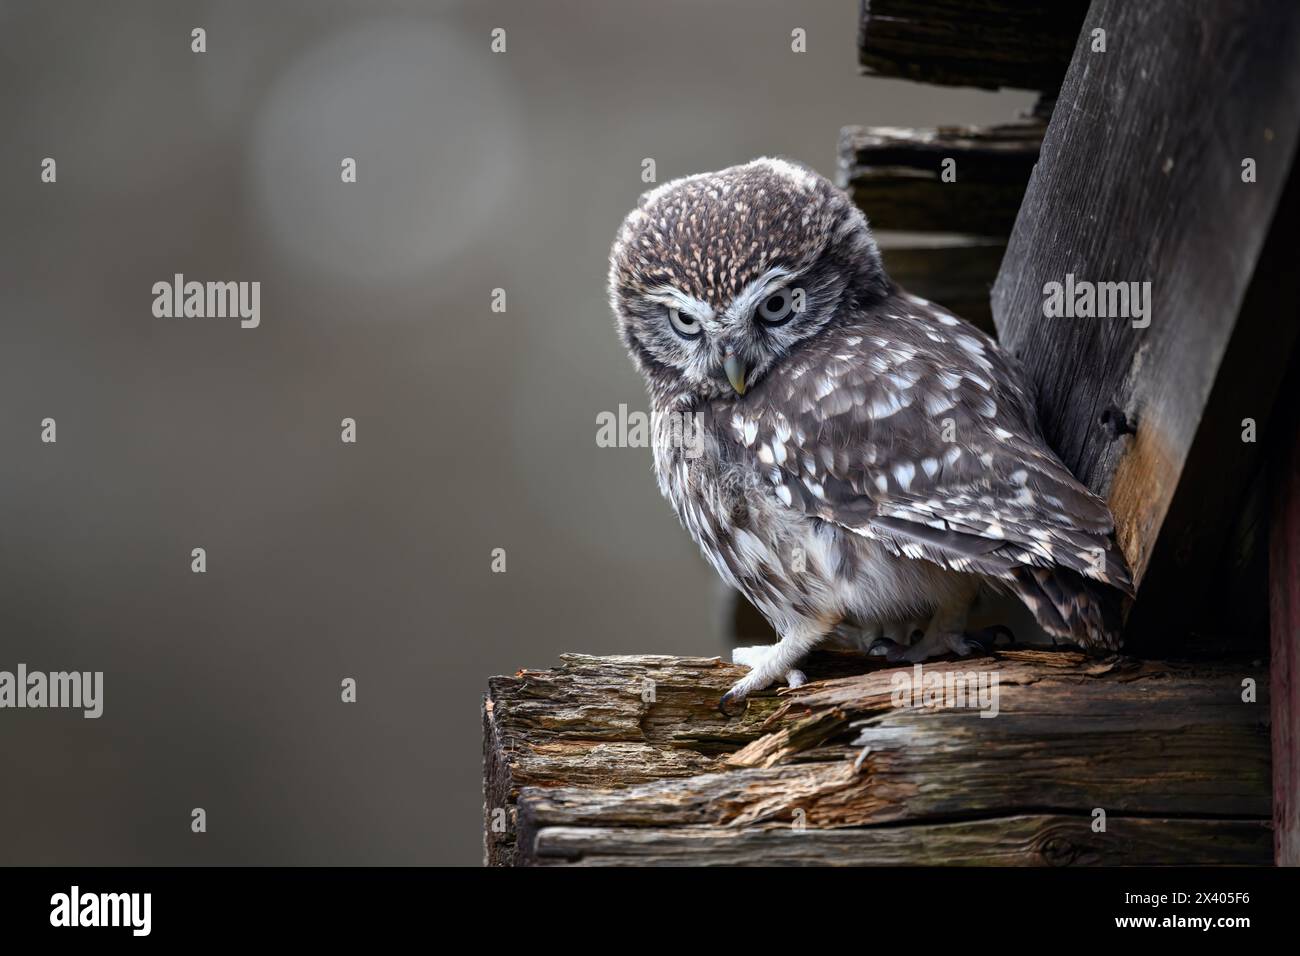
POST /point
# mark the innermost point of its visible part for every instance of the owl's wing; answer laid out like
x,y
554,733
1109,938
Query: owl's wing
x,y
913,429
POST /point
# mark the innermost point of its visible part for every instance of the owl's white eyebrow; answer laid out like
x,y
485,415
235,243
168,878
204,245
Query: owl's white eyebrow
x,y
667,295
757,291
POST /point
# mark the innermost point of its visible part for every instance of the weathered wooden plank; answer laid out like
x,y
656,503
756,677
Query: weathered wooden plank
x,y
1131,739
500,825
1139,179
1029,840
1071,734
990,44
895,175
603,721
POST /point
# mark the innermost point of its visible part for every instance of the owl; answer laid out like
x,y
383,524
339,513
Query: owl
x,y
858,456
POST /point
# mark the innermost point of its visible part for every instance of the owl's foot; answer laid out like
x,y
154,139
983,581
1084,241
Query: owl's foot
x,y
938,643
732,703
753,656
760,660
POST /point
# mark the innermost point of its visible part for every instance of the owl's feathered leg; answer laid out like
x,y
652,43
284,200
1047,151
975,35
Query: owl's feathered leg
x,y
751,656
778,661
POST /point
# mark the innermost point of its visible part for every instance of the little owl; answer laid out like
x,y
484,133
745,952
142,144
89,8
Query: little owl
x,y
864,459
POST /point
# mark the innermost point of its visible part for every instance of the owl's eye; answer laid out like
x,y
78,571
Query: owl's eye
x,y
683,323
777,307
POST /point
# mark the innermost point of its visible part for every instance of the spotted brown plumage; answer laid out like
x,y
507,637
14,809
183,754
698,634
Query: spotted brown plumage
x,y
867,456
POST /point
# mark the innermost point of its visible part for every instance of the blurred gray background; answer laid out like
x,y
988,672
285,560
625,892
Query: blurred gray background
x,y
476,430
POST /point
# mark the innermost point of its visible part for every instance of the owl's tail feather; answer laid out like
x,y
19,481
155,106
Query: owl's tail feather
x,y
1071,606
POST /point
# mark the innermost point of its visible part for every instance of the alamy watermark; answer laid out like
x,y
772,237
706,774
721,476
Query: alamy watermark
x,y
637,429
208,300
1083,299
58,689
947,689
75,908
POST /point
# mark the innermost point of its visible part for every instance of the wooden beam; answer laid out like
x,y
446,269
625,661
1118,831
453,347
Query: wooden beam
x,y
627,760
990,44
895,175
1027,840
1140,179
1206,588
608,721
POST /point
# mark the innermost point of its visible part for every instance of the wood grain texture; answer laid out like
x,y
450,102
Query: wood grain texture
x,y
990,44
894,175
607,721
1027,840
590,771
1139,179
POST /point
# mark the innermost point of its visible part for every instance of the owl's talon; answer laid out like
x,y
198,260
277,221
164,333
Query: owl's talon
x,y
733,699
890,650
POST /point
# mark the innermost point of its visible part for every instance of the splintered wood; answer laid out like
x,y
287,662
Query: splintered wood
x,y
1024,757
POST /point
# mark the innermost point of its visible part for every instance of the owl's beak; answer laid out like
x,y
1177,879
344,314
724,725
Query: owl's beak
x,y
736,371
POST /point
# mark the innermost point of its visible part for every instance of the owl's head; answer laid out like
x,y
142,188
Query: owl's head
x,y
715,277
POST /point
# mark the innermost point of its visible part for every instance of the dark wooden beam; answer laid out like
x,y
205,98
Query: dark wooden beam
x,y
990,44
1206,588
1139,179
895,175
